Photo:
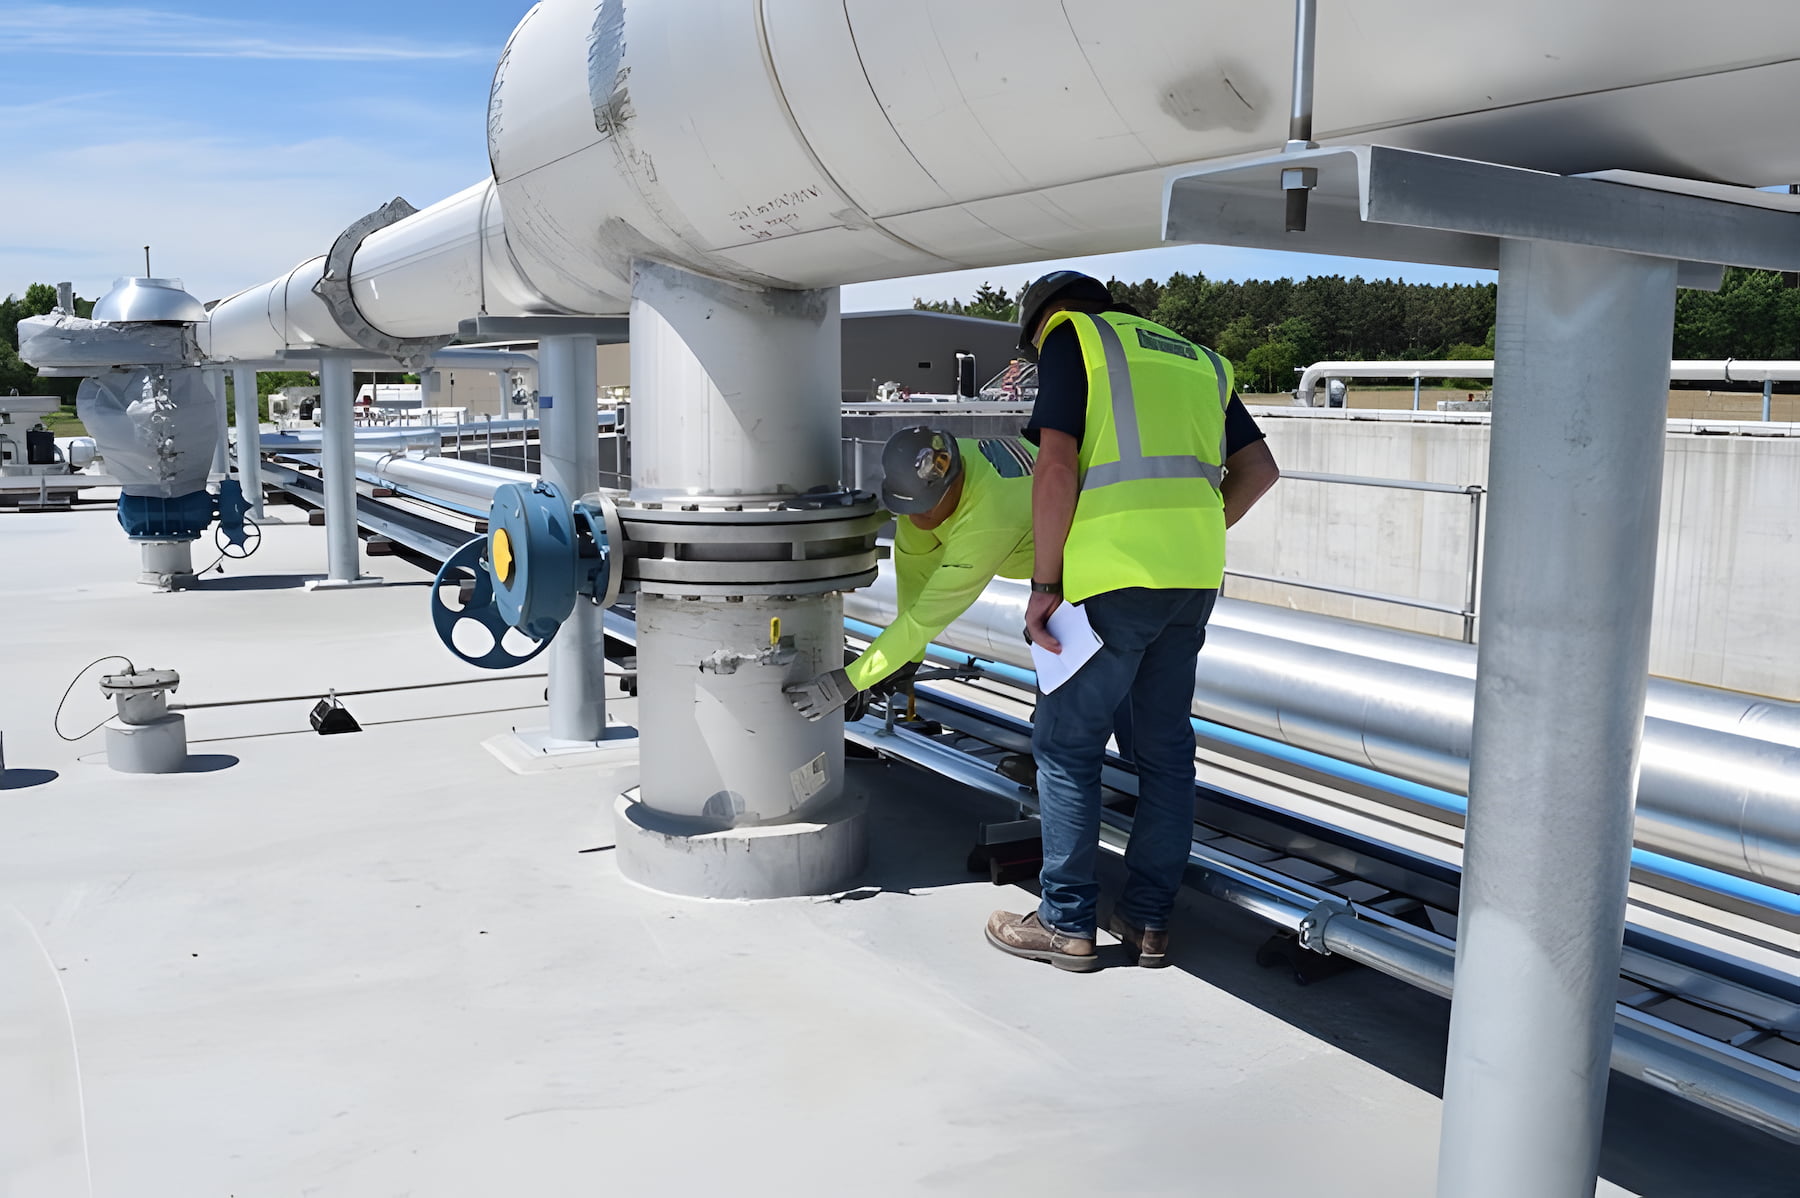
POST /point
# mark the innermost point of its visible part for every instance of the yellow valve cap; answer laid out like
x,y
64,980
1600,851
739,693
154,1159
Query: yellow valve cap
x,y
500,555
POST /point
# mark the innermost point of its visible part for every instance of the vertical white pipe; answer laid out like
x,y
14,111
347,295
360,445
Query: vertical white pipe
x,y
338,442
1575,484
759,386
569,446
1768,389
736,396
1415,392
249,437
215,383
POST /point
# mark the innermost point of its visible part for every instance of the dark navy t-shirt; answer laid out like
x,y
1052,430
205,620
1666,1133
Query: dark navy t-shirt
x,y
1063,395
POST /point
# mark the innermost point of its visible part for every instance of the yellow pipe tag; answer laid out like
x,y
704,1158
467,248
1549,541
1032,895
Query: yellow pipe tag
x,y
774,630
500,555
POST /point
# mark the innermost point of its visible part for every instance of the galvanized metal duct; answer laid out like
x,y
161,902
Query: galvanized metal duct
x,y
1720,783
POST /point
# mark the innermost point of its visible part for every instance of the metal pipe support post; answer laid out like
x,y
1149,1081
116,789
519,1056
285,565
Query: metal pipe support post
x,y
249,437
215,383
338,464
1575,485
570,449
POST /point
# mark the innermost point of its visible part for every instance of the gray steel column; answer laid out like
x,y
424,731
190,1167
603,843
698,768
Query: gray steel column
x,y
1768,388
1575,482
338,463
249,437
569,446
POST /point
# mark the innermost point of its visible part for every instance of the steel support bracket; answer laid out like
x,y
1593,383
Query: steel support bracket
x,y
1312,926
333,288
1406,206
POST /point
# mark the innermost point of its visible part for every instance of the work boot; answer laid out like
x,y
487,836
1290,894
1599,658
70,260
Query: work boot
x,y
1149,947
1020,768
1024,936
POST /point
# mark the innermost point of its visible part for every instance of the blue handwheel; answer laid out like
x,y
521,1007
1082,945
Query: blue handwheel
x,y
465,564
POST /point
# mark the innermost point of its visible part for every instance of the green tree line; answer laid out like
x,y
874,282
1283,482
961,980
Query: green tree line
x,y
15,374
1269,328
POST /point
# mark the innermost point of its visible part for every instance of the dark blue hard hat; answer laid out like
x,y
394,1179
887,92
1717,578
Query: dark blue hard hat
x,y
1057,285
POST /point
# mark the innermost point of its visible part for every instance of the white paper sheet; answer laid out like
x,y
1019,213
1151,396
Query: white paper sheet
x,y
1069,625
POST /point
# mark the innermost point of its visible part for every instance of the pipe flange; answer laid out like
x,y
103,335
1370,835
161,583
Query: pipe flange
x,y
669,576
743,534
764,549
333,288
715,509
717,591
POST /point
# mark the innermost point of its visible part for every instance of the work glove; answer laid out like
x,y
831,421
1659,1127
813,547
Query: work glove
x,y
900,680
823,695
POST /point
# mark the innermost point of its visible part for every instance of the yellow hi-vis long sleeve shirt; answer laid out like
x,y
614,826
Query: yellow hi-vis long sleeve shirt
x,y
939,572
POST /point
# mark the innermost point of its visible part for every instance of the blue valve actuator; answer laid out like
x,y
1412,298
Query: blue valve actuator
x,y
540,555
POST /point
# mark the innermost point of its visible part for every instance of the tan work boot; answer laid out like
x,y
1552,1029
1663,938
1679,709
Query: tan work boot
x,y
1024,936
1148,947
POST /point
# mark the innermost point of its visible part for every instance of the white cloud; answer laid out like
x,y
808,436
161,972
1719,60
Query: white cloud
x,y
98,175
153,33
221,213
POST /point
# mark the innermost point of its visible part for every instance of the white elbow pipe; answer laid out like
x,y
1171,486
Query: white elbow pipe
x,y
1731,370
800,144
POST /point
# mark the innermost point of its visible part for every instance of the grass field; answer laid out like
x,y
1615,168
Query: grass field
x,y
64,423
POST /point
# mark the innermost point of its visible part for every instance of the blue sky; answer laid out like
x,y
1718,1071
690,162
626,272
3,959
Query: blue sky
x,y
239,138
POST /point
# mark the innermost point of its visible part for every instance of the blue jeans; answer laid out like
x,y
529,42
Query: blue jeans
x,y
1149,642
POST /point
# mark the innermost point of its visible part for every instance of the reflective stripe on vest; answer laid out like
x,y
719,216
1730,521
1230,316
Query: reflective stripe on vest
x,y
1133,464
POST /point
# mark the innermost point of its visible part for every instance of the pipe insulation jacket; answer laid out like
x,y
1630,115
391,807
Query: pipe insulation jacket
x,y
805,143
1720,783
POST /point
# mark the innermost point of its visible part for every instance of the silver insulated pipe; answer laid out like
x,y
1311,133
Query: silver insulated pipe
x,y
1720,784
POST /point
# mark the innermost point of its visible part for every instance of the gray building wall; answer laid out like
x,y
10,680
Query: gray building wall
x,y
918,350
1728,574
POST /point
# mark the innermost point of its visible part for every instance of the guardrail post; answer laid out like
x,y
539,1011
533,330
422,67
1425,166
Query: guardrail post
x,y
1472,592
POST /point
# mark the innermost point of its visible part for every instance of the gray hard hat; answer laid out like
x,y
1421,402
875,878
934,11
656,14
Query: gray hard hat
x,y
919,466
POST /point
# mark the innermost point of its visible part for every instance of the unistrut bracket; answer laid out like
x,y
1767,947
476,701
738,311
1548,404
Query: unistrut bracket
x,y
1402,205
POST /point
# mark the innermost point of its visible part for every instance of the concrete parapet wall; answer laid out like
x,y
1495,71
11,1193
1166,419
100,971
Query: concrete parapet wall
x,y
1728,573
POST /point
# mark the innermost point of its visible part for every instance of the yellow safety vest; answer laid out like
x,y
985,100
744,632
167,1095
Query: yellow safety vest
x,y
1152,455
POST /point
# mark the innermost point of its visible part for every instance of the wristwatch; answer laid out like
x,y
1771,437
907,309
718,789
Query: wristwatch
x,y
1046,588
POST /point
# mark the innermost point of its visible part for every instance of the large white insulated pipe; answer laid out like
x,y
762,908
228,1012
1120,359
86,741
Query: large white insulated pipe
x,y
806,143
738,410
471,484
1720,784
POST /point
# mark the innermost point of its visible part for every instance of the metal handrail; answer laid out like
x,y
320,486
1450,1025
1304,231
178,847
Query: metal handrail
x,y
1474,493
1398,484
1472,587
1352,592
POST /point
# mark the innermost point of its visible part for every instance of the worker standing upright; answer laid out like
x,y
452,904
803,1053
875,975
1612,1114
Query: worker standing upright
x,y
964,515
1145,457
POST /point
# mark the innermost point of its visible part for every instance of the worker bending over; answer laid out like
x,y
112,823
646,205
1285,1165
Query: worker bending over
x,y
963,511
1145,458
